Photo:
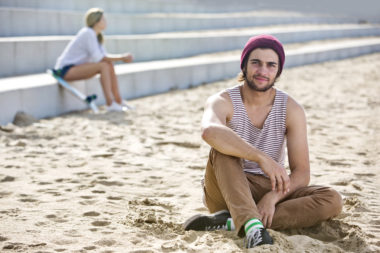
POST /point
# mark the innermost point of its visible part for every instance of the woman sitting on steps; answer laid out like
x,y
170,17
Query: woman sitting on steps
x,y
85,56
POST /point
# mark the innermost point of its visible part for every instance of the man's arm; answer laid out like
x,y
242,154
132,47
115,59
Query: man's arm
x,y
215,132
298,156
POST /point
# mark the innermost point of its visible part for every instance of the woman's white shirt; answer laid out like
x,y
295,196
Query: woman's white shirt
x,y
84,48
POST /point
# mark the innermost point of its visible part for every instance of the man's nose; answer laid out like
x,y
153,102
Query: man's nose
x,y
262,69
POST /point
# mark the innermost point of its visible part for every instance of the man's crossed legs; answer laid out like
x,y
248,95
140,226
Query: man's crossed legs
x,y
228,187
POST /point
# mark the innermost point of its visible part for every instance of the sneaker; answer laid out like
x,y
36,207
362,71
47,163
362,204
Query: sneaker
x,y
129,107
115,107
215,221
258,237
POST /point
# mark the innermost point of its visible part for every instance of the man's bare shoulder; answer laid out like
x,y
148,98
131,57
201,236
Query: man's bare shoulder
x,y
294,112
220,98
221,104
293,106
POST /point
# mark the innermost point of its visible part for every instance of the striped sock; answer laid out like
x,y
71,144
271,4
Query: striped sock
x,y
251,225
230,224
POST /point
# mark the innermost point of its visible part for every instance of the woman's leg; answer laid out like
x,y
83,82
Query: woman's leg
x,y
88,70
115,85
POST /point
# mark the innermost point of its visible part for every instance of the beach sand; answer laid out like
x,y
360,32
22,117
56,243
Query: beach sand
x,y
126,182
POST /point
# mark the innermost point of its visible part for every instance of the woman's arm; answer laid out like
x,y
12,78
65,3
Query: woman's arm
x,y
118,57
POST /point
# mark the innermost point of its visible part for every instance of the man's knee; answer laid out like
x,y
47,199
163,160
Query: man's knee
x,y
335,203
218,158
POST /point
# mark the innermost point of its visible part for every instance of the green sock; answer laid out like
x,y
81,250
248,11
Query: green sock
x,y
251,225
230,224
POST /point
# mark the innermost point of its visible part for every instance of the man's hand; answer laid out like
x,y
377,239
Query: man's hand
x,y
277,174
267,207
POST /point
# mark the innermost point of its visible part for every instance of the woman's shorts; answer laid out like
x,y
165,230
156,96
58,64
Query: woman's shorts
x,y
62,72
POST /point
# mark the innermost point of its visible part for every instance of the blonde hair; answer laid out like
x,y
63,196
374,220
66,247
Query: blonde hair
x,y
92,17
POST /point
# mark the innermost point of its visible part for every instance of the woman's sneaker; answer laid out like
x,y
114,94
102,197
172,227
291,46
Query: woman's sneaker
x,y
129,107
215,221
115,107
258,237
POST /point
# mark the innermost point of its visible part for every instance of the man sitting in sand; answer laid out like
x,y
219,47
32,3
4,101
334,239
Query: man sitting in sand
x,y
247,126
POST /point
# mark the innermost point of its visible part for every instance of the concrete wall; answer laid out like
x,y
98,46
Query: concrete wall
x,y
33,22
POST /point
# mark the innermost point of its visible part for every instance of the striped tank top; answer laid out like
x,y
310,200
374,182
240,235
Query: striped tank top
x,y
271,138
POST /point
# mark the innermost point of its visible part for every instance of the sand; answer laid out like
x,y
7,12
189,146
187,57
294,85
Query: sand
x,y
125,182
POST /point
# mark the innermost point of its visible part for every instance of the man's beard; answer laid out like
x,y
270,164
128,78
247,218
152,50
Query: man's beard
x,y
251,84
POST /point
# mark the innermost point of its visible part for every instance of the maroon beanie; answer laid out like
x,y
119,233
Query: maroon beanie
x,y
264,41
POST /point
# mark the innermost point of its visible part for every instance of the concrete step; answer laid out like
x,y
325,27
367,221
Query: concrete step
x,y
40,96
133,6
19,53
363,10
52,22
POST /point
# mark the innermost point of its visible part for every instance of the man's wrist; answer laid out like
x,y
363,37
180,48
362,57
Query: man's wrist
x,y
275,196
257,156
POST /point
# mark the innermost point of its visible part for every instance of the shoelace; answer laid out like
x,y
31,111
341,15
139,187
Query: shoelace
x,y
253,238
216,227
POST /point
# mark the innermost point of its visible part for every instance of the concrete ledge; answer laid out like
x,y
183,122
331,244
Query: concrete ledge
x,y
51,22
40,96
29,55
132,6
363,10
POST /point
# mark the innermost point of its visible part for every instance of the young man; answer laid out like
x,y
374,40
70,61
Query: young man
x,y
247,127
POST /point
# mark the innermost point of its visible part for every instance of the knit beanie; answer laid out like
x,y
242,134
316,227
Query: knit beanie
x,y
264,41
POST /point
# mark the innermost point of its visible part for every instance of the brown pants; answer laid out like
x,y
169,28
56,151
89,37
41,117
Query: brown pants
x,y
228,187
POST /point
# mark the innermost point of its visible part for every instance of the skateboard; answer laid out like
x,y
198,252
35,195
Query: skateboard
x,y
89,100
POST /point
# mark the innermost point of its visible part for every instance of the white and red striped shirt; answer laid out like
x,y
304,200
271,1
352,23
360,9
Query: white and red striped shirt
x,y
271,138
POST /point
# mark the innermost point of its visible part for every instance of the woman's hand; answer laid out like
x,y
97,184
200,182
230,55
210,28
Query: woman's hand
x,y
127,58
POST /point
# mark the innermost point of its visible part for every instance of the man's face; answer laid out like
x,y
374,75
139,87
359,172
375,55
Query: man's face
x,y
261,69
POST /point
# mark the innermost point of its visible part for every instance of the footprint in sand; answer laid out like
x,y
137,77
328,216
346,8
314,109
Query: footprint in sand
x,y
77,164
7,179
21,247
357,187
115,198
5,194
343,182
364,174
28,200
89,248
180,144
91,213
87,197
107,183
88,202
98,191
196,167
55,218
106,242
100,223
103,155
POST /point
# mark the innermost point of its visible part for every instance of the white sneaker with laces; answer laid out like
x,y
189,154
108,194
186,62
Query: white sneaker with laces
x,y
115,107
